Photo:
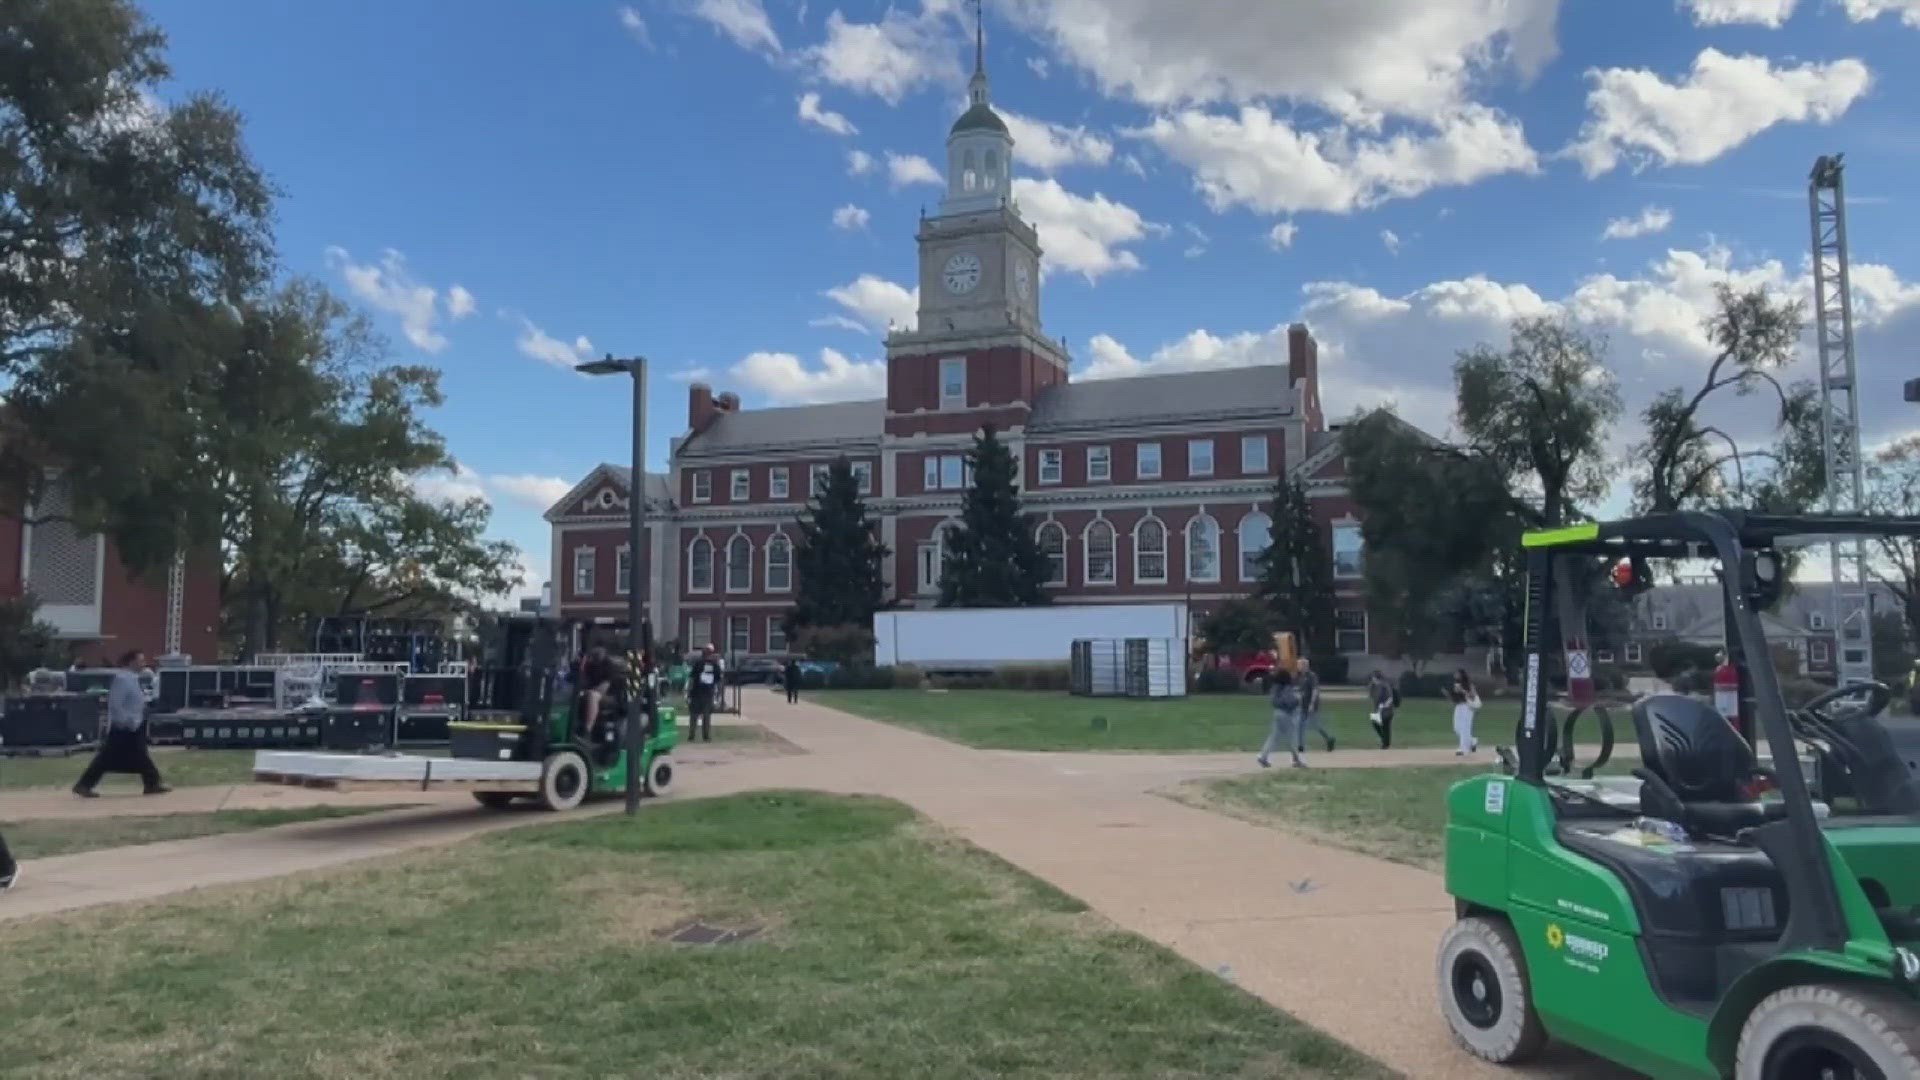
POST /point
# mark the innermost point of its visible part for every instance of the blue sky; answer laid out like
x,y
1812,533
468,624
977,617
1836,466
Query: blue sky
x,y
507,185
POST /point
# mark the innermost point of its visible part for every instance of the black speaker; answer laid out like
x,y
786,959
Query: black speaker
x,y
51,720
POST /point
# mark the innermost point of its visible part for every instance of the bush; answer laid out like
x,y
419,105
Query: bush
x,y
1798,691
1673,657
1215,681
1608,679
866,677
1416,685
1031,677
1331,669
850,645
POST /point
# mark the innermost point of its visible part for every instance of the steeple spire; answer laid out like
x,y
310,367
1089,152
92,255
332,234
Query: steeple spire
x,y
977,86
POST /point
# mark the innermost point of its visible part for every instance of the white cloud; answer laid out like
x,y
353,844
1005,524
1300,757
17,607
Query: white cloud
x,y
387,286
904,169
536,344
744,21
1390,240
1652,219
1081,234
458,485
851,217
1260,161
1039,66
1201,241
859,163
824,119
636,26
786,379
874,304
535,492
888,59
1281,235
1132,164
1862,10
1770,13
1048,146
1399,57
1636,116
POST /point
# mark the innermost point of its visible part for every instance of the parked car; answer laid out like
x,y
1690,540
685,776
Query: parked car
x,y
757,671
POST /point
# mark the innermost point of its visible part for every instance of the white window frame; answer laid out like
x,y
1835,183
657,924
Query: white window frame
x,y
1052,468
817,476
1113,553
862,476
1603,656
950,366
777,484
1140,461
740,486
1103,455
1816,620
702,486
1633,652
1196,448
1359,569
934,472
1365,632
1819,652
1213,527
623,570
743,623
694,563
1140,577
585,569
777,630
699,632
1242,566
778,541
1659,620
1255,464
1056,566
727,563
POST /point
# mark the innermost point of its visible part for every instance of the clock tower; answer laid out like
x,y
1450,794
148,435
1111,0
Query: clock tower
x,y
977,353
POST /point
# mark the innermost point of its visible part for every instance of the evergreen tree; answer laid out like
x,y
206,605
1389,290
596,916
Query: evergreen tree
x,y
1296,572
993,559
839,560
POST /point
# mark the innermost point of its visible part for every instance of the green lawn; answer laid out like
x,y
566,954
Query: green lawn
x,y
888,949
1398,814
44,838
1039,720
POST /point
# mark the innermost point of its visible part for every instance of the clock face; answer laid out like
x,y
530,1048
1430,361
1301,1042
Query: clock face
x,y
961,275
1021,282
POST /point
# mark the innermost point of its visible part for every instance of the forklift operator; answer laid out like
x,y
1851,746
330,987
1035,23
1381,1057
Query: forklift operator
x,y
596,682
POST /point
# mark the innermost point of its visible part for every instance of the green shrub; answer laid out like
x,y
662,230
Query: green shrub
x,y
1331,669
849,645
1032,677
1416,685
869,677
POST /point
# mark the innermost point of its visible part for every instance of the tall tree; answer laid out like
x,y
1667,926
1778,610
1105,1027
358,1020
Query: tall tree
x,y
1541,409
1691,462
993,559
1893,487
1296,571
840,561
126,225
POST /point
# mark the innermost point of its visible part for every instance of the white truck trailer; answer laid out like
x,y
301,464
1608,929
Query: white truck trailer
x,y
980,639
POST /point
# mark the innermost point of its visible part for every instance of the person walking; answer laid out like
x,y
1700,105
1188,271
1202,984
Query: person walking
x,y
1309,686
125,747
703,682
790,675
9,869
1284,698
1385,698
1466,702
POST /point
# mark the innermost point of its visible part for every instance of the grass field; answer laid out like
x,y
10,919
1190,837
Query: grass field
x,y
1398,814
46,837
1038,720
888,949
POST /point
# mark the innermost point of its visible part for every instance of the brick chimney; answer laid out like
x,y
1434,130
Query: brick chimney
x,y
700,407
728,402
1303,374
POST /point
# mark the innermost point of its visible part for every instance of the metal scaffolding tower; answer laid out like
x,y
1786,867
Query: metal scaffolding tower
x,y
1840,414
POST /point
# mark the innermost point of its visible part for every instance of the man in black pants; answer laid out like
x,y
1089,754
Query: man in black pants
x,y
703,682
1384,697
791,676
125,747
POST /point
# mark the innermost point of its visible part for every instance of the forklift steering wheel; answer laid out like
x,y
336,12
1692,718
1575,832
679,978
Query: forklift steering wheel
x,y
1878,698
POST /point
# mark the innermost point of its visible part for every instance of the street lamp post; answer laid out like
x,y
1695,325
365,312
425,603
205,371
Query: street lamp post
x,y
639,628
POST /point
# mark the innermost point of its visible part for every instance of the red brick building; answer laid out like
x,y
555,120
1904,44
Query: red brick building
x,y
92,601
1150,488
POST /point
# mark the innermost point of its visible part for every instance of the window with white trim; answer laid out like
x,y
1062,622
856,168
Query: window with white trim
x,y
777,634
863,476
623,571
1150,552
1099,542
1050,466
1253,454
1146,460
1348,550
1659,620
1199,457
700,565
1254,533
583,572
1633,652
932,554
739,634
1052,538
1203,549
699,632
1603,656
777,483
702,486
1818,652
948,472
739,564
741,488
1099,464
953,382
1816,620
779,563
1350,630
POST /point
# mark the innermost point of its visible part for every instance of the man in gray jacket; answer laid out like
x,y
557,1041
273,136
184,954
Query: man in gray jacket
x,y
1309,686
125,747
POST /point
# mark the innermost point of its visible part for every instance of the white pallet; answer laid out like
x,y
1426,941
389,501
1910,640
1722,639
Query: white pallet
x,y
293,766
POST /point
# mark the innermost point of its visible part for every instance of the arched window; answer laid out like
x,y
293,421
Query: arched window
x,y
1098,540
779,563
1150,552
700,565
1255,530
990,176
1052,538
969,172
739,564
1203,549
933,558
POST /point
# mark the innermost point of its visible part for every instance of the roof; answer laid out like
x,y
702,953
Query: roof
x,y
980,117
658,486
659,490
791,426
1227,393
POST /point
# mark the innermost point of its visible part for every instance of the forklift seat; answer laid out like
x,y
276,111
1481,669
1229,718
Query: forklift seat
x,y
1695,768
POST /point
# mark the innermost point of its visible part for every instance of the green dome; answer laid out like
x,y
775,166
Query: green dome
x,y
979,118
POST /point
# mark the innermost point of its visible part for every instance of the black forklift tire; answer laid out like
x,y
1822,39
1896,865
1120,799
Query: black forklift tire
x,y
1485,993
1794,1032
495,800
564,780
659,777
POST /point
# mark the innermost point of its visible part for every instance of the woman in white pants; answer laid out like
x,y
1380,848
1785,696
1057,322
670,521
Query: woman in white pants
x,y
1466,702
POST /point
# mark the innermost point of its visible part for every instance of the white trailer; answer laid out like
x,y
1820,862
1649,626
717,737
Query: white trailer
x,y
979,639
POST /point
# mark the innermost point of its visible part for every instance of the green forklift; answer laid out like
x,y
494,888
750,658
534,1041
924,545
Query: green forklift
x,y
1722,912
